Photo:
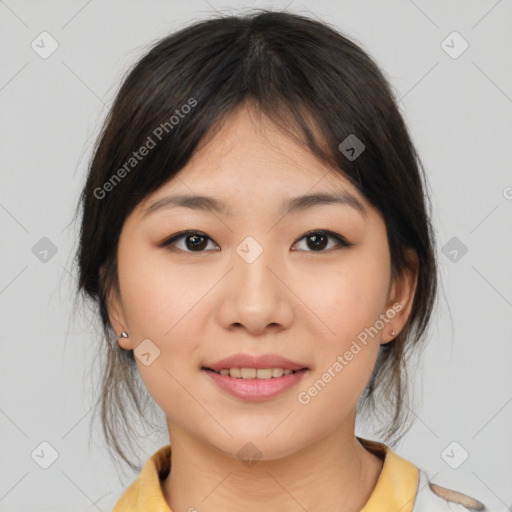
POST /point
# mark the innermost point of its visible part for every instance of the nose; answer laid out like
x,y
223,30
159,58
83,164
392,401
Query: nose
x,y
255,295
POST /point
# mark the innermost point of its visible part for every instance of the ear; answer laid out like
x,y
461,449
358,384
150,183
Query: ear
x,y
116,313
401,297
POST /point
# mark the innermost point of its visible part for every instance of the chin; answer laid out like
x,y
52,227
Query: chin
x,y
256,445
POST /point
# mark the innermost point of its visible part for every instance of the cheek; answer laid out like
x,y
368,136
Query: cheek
x,y
159,304
351,298
163,305
157,296
335,392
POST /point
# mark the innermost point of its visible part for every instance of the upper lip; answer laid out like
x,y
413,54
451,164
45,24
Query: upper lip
x,y
255,361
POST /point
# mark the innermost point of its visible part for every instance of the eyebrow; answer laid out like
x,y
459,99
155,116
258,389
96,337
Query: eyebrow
x,y
291,205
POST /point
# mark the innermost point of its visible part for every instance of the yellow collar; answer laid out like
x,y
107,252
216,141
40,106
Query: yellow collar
x,y
395,490
397,484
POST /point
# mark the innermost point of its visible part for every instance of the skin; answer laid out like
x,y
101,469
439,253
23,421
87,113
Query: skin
x,y
307,305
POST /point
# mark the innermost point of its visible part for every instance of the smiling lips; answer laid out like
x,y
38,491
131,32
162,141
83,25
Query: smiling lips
x,y
248,361
255,377
255,373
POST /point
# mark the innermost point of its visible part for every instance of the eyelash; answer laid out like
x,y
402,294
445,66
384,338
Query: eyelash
x,y
341,242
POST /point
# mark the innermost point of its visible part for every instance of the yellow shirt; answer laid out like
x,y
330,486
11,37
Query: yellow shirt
x,y
401,486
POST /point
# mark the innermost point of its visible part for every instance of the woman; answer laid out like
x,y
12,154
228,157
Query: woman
x,y
256,235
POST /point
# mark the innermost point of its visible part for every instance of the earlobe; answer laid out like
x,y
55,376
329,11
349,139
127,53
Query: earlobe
x,y
116,317
401,298
118,322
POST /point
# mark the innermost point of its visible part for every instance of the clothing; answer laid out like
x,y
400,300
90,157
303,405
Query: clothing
x,y
401,486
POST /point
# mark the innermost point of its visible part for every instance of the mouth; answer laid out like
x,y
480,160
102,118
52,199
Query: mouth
x,y
255,384
255,373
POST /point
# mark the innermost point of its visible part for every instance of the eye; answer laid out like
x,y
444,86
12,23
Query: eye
x,y
318,240
197,241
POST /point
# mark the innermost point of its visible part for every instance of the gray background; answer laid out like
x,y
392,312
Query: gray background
x,y
459,114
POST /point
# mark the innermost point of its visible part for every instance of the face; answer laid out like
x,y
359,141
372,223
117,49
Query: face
x,y
249,279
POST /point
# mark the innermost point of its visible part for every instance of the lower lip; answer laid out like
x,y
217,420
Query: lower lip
x,y
256,389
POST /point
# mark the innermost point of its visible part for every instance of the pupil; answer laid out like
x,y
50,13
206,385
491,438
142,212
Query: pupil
x,y
196,242
316,241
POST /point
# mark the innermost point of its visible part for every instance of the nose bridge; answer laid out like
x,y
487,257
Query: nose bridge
x,y
253,260
255,297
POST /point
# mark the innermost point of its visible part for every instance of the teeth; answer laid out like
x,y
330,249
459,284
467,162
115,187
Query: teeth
x,y
255,373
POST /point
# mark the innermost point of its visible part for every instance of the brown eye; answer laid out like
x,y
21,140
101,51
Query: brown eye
x,y
317,241
195,241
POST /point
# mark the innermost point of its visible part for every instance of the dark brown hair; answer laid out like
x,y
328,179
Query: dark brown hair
x,y
316,85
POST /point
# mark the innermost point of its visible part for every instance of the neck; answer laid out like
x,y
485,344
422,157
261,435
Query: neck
x,y
336,473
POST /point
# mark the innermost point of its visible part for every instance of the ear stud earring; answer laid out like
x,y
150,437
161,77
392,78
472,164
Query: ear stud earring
x,y
393,332
112,344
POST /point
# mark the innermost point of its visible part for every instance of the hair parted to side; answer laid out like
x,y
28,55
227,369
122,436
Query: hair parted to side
x,y
318,87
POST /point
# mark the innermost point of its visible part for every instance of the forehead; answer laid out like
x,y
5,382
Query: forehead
x,y
248,158
247,140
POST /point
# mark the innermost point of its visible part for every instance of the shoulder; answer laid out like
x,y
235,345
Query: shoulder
x,y
145,493
434,498
404,486
129,498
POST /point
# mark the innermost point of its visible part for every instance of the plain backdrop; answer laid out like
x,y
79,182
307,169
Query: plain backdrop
x,y
457,102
